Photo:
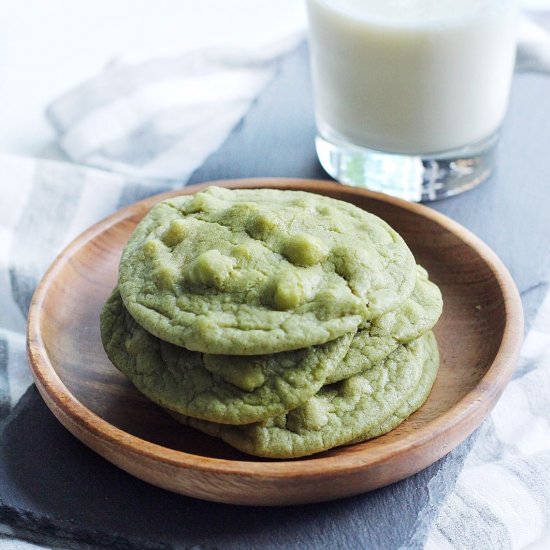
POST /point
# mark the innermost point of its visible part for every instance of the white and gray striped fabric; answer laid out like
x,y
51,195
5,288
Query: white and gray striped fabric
x,y
161,118
45,205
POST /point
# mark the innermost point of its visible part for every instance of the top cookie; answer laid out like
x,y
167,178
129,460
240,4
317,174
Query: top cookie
x,y
248,272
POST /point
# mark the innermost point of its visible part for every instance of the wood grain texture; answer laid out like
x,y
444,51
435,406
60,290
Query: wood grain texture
x,y
479,335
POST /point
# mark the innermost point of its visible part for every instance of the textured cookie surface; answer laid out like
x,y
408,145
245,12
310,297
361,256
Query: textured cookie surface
x,y
354,409
373,343
415,316
413,402
247,272
253,388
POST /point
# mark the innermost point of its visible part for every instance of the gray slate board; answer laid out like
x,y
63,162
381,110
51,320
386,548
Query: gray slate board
x,y
54,489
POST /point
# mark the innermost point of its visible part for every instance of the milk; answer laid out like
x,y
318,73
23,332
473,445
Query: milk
x,y
411,76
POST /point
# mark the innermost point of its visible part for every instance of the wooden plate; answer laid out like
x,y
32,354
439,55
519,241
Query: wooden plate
x,y
479,336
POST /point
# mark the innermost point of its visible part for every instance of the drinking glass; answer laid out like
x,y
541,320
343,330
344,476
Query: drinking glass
x,y
410,94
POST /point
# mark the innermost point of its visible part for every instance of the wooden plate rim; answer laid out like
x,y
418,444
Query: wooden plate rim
x,y
467,413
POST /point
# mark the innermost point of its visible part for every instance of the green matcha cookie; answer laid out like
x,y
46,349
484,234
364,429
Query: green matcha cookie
x,y
418,314
249,272
411,404
351,410
372,345
415,316
364,352
187,381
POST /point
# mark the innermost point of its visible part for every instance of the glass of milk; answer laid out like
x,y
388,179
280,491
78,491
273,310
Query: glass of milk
x,y
410,94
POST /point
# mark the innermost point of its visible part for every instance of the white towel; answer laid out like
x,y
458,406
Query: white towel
x,y
533,52
45,206
162,117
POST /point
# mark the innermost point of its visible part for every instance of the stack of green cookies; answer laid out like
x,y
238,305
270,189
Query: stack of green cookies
x,y
283,322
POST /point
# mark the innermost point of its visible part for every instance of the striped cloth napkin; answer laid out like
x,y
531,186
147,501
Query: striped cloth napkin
x,y
162,117
45,205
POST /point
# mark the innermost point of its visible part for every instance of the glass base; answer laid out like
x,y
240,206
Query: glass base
x,y
410,177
